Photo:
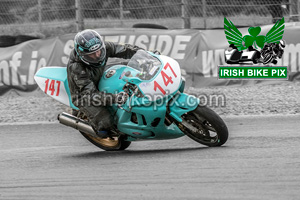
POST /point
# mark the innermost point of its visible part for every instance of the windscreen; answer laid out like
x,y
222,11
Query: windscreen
x,y
146,64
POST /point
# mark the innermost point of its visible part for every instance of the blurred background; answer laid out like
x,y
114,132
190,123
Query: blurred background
x,y
46,18
23,20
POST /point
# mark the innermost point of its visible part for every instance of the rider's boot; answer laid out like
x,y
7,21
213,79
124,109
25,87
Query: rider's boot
x,y
103,134
108,133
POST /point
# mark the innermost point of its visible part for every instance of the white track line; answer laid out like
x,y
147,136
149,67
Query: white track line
x,y
28,123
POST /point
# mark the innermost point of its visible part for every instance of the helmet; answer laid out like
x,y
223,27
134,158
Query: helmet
x,y
281,44
90,47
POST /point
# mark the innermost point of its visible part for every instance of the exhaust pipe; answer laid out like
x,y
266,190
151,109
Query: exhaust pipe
x,y
74,122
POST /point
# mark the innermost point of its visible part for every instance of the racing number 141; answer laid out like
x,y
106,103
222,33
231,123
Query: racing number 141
x,y
52,86
167,79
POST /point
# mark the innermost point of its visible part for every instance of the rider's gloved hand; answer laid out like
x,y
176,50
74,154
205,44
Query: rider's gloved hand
x,y
121,98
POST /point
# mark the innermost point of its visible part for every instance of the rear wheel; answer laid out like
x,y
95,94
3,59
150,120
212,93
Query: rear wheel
x,y
108,144
204,126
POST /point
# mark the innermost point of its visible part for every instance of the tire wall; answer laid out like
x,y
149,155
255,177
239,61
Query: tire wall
x,y
7,40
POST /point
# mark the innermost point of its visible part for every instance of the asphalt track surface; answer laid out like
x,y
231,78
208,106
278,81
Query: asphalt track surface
x,y
261,160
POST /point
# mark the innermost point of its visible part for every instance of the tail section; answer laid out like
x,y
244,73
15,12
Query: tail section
x,y
53,81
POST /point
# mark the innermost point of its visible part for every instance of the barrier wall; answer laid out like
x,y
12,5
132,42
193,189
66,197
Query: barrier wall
x,y
198,52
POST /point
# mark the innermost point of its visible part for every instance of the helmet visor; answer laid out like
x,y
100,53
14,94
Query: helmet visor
x,y
95,57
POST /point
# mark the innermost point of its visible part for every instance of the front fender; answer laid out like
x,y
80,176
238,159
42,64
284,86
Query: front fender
x,y
182,103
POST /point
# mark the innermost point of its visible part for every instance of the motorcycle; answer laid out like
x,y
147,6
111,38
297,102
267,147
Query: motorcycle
x,y
156,108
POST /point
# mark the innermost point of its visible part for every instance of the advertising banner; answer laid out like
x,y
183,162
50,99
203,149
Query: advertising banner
x,y
199,52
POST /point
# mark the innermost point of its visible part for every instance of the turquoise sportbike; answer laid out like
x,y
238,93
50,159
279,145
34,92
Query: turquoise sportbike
x,y
156,108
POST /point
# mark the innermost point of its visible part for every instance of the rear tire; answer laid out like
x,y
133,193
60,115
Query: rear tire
x,y
7,40
208,128
108,144
23,38
145,25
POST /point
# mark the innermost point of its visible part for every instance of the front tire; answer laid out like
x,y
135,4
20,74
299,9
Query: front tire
x,y
108,144
204,126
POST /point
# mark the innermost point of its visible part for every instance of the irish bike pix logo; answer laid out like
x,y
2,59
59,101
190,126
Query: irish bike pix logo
x,y
253,56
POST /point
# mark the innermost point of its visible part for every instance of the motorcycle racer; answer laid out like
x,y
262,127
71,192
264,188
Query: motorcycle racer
x,y
85,68
272,51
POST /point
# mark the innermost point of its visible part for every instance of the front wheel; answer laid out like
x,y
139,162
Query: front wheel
x,y
204,126
108,144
